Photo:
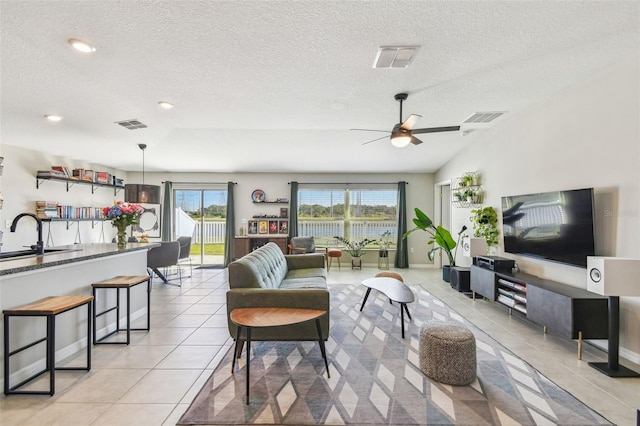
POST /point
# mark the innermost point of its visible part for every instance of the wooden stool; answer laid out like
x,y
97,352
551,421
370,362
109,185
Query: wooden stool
x,y
126,282
331,253
48,307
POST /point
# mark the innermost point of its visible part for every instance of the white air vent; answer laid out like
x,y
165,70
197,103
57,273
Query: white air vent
x,y
483,117
395,56
132,124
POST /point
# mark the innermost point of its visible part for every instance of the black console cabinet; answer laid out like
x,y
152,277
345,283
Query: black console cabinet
x,y
563,310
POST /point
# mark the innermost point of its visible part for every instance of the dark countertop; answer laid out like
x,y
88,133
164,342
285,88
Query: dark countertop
x,y
76,253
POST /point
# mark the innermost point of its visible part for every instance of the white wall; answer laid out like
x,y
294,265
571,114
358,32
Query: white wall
x,y
18,187
587,136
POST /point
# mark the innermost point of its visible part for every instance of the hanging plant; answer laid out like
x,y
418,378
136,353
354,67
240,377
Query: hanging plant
x,y
485,224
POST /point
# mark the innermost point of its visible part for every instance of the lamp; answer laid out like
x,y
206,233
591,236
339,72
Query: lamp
x,y
141,193
613,277
400,140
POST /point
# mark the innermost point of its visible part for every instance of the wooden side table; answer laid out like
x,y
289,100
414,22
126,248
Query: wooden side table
x,y
249,318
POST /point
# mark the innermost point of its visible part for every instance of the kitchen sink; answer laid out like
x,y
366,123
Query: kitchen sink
x,y
26,253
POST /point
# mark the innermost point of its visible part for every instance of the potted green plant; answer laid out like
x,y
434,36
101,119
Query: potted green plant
x,y
467,180
355,248
440,237
385,242
485,224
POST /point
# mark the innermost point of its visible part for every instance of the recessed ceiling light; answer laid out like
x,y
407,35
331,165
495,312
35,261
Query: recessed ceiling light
x,y
165,104
53,117
81,45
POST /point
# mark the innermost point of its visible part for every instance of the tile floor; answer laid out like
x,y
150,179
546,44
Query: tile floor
x,y
153,380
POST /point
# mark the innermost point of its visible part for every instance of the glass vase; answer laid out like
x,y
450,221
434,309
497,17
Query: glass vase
x,y
122,237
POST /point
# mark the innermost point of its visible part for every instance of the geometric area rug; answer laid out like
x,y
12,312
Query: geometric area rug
x,y
376,378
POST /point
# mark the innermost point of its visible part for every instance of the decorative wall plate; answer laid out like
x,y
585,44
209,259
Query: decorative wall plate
x,y
258,196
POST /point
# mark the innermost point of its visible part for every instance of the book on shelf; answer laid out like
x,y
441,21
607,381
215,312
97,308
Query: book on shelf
x,y
88,175
103,177
77,173
47,209
506,300
50,173
63,170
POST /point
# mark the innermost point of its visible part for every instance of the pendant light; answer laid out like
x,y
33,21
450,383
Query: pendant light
x,y
141,193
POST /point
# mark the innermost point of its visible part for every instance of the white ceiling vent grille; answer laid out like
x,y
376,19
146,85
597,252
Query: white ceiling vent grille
x,y
483,117
132,124
395,56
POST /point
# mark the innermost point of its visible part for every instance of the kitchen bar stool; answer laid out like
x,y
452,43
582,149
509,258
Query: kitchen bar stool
x,y
117,283
48,307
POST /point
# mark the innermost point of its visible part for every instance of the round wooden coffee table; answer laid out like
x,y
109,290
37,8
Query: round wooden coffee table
x,y
249,318
394,289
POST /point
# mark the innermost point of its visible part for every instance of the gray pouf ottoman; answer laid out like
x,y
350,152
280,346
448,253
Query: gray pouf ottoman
x,y
448,353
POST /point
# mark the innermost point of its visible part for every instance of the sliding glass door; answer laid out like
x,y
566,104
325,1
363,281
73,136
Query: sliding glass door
x,y
201,214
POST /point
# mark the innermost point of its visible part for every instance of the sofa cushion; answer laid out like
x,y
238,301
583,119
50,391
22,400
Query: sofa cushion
x,y
300,283
263,268
307,273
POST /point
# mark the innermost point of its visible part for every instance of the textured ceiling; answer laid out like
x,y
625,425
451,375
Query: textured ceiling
x,y
276,85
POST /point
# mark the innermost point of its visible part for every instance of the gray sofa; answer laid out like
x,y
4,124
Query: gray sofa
x,y
268,278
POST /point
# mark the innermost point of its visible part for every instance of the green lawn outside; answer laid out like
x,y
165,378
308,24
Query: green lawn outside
x,y
209,249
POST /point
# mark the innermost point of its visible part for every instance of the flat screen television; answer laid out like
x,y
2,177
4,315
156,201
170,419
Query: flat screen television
x,y
555,226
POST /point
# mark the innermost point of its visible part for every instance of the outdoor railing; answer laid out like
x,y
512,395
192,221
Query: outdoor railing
x,y
322,230
214,232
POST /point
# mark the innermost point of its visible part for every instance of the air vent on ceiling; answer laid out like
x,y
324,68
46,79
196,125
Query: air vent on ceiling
x,y
395,56
132,124
483,117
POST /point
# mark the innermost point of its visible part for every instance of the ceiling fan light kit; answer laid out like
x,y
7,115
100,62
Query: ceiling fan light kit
x,y
402,133
400,141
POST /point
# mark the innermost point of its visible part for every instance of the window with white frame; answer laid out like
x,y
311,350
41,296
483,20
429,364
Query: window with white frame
x,y
370,213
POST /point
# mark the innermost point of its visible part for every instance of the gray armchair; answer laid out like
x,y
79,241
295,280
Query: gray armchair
x,y
165,255
302,245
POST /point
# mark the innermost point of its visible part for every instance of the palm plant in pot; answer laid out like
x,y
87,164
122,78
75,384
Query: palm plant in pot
x,y
440,237
355,248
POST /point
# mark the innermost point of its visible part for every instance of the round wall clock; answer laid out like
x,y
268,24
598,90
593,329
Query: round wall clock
x,y
257,196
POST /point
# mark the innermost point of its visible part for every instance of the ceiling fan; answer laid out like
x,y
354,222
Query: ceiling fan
x,y
402,133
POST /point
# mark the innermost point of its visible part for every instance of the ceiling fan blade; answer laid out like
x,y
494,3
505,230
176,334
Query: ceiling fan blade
x,y
411,121
371,130
415,140
436,129
384,137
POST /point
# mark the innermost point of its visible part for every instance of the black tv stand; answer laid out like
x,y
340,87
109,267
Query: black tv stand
x,y
561,309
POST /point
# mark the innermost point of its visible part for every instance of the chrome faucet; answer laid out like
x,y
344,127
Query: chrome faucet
x,y
39,247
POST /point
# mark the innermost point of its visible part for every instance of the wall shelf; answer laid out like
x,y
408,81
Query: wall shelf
x,y
71,182
466,191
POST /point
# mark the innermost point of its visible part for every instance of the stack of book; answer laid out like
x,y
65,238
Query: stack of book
x,y
47,210
51,173
83,174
